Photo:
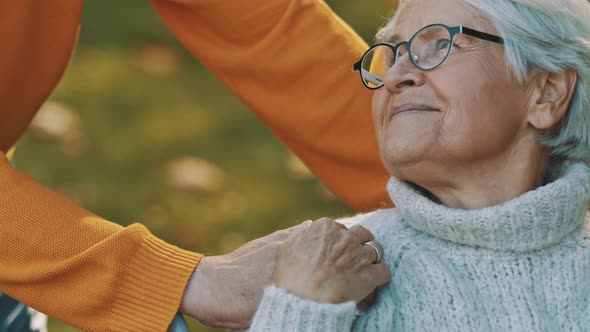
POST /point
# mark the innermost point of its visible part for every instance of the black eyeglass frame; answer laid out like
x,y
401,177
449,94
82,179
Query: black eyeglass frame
x,y
453,31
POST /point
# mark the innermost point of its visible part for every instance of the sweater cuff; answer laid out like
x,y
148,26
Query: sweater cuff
x,y
280,310
150,293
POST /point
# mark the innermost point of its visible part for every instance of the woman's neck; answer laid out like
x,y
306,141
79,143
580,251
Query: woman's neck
x,y
537,219
486,183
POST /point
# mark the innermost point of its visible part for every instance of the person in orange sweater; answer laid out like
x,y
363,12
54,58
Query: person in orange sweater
x,y
99,276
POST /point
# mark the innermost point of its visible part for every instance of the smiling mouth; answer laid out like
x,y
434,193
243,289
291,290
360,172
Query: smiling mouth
x,y
411,107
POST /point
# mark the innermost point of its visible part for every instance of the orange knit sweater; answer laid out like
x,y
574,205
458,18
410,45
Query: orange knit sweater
x,y
99,276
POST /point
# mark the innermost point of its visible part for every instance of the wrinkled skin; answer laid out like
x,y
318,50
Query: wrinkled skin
x,y
328,263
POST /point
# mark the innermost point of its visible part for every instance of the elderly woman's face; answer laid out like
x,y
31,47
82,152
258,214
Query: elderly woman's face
x,y
465,112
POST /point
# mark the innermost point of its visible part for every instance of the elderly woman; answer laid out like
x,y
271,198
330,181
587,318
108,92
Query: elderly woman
x,y
482,111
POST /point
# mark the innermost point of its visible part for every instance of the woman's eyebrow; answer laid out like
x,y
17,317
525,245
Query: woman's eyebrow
x,y
394,40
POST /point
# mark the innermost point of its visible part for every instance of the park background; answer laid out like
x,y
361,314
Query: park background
x,y
139,131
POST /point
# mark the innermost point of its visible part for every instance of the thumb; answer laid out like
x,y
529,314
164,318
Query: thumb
x,y
298,229
289,232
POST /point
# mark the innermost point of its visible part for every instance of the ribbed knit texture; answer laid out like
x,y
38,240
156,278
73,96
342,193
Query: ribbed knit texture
x,y
523,265
82,269
289,313
155,277
77,267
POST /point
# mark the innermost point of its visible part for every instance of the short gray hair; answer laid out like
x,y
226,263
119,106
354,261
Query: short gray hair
x,y
550,35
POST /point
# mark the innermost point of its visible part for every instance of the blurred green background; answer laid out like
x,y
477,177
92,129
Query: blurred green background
x,y
139,131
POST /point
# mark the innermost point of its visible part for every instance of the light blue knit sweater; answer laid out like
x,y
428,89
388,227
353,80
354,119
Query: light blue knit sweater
x,y
523,265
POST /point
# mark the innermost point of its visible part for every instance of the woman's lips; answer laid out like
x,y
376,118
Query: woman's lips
x,y
411,107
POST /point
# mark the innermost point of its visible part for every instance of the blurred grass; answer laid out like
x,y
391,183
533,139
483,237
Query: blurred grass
x,y
142,102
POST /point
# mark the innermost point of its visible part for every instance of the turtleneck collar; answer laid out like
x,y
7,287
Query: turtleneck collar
x,y
537,219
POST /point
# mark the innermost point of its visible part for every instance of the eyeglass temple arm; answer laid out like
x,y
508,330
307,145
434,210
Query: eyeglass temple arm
x,y
367,75
357,66
482,35
372,78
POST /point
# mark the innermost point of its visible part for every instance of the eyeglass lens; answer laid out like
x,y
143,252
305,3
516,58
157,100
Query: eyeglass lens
x,y
429,48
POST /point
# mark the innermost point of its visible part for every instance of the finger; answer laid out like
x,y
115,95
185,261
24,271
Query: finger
x,y
303,225
288,232
363,306
377,248
339,225
293,231
379,274
370,300
367,302
362,233
327,222
370,253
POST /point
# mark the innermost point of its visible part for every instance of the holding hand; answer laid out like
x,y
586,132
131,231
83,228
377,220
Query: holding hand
x,y
328,263
224,291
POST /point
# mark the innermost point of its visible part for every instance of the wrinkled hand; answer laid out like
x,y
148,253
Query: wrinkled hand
x,y
327,263
224,291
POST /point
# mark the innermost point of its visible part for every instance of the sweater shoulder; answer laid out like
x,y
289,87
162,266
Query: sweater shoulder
x,y
582,239
373,217
386,224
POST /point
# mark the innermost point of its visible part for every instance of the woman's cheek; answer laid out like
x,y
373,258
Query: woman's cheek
x,y
379,106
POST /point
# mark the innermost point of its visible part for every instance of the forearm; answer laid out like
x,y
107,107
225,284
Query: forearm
x,y
291,61
82,269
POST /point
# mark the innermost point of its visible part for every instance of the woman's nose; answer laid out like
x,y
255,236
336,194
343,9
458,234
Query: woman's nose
x,y
403,74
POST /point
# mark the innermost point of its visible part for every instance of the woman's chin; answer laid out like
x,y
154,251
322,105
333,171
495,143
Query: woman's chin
x,y
403,154
400,168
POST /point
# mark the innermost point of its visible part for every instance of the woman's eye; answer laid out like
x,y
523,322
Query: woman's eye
x,y
389,61
443,44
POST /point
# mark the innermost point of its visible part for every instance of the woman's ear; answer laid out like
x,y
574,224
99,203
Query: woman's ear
x,y
551,97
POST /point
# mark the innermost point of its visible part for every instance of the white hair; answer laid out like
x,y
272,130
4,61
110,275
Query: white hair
x,y
549,35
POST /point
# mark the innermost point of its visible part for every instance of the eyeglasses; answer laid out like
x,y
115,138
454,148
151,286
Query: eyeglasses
x,y
428,48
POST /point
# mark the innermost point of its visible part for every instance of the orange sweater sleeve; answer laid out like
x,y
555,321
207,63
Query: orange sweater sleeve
x,y
82,269
290,62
